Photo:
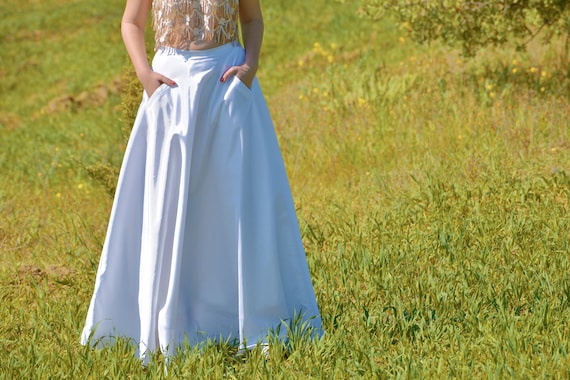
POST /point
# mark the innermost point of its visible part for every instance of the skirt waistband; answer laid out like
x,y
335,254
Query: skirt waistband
x,y
217,51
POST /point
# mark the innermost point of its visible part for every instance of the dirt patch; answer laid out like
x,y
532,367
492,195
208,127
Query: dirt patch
x,y
60,271
30,270
55,273
9,120
93,98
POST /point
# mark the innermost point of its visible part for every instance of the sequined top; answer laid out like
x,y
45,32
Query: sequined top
x,y
179,23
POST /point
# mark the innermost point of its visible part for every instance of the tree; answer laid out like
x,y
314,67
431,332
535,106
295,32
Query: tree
x,y
473,24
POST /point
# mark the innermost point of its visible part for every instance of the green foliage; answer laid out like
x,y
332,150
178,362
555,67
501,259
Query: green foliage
x,y
433,196
106,173
475,24
130,99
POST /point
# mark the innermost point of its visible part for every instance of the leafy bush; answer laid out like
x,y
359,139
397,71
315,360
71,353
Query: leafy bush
x,y
476,24
106,173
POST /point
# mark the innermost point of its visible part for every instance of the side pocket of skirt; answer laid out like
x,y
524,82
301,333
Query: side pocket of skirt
x,y
156,94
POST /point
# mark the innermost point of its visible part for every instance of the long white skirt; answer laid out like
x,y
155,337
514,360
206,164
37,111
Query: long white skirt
x,y
203,241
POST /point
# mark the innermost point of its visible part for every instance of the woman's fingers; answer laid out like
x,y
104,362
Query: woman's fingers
x,y
168,81
243,72
229,73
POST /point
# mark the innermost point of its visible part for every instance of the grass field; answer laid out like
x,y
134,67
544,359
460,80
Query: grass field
x,y
433,195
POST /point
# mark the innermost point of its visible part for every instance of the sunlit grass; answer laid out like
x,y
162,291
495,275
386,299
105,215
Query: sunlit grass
x,y
432,193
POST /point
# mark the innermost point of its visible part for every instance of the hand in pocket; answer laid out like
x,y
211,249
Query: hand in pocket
x,y
152,80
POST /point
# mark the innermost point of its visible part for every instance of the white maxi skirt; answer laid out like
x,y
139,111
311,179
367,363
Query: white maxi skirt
x,y
203,241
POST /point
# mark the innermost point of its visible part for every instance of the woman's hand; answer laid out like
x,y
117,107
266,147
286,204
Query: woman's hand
x,y
152,80
245,73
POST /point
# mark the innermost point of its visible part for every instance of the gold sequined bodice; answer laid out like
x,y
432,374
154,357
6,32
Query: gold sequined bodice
x,y
181,23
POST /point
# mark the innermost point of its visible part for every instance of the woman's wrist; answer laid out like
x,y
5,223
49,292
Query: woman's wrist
x,y
143,71
250,67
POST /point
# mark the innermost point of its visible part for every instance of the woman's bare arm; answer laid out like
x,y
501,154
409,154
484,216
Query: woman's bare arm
x,y
132,29
251,21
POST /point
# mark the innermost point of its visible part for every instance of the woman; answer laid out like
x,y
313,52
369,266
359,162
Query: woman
x,y
203,241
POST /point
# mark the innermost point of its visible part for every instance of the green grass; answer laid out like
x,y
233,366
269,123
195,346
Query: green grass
x,y
433,195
